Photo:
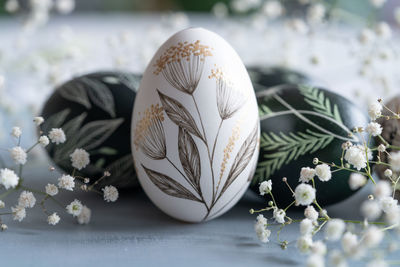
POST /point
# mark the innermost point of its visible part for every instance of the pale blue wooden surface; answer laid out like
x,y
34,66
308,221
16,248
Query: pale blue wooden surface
x,y
133,232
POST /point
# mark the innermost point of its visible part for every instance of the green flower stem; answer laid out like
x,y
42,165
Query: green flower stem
x,y
291,204
381,163
32,147
343,168
273,199
5,194
319,227
42,193
6,213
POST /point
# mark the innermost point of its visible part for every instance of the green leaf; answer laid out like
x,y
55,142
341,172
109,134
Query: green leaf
x,y
105,150
321,104
283,148
264,110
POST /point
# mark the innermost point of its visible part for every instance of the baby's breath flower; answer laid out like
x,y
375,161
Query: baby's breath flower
x,y
375,110
382,189
304,194
16,132
366,36
323,171
388,173
371,210
3,227
315,161
18,154
306,226
298,26
311,213
84,216
315,260
304,243
306,174
393,215
387,203
316,13
394,161
18,213
374,129
261,230
346,145
357,180
43,140
349,243
336,258
57,136
51,189
334,229
356,157
65,6
372,237
8,178
66,182
272,9
53,219
11,6
110,193
79,158
383,30
74,208
319,248
381,148
38,120
26,199
377,3
265,187
2,204
377,263
279,215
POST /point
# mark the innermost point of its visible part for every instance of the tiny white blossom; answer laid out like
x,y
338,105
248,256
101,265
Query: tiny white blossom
x,y
319,248
220,10
279,215
383,30
357,180
66,182
306,226
394,161
43,140
336,258
316,13
304,194
272,9
371,210
356,157
16,132
334,229
74,208
304,243
65,6
265,187
18,154
53,219
387,203
3,227
375,110
382,189
323,171
18,213
366,36
11,6
2,204
306,174
349,243
388,173
38,120
315,260
84,216
8,178
393,215
57,136
377,263
381,148
261,230
372,237
374,128
298,26
311,213
110,193
377,3
26,199
51,189
79,158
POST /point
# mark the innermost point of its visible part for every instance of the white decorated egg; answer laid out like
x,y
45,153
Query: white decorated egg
x,y
195,127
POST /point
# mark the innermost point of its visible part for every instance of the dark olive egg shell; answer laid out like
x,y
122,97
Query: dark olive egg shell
x,y
95,111
295,129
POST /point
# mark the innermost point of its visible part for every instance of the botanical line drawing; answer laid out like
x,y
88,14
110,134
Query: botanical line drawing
x,y
182,66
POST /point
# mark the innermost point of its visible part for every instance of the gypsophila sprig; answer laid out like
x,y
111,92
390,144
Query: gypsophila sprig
x,y
28,198
359,240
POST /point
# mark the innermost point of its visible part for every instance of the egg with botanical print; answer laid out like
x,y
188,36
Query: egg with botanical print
x,y
94,111
195,127
300,123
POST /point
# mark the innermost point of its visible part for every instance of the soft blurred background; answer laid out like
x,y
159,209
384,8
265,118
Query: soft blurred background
x,y
349,47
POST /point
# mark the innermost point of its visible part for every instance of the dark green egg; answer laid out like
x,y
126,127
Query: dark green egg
x,y
264,77
95,111
299,123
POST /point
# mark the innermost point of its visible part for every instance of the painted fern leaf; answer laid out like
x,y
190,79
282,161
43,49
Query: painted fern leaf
x,y
264,110
320,103
285,148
